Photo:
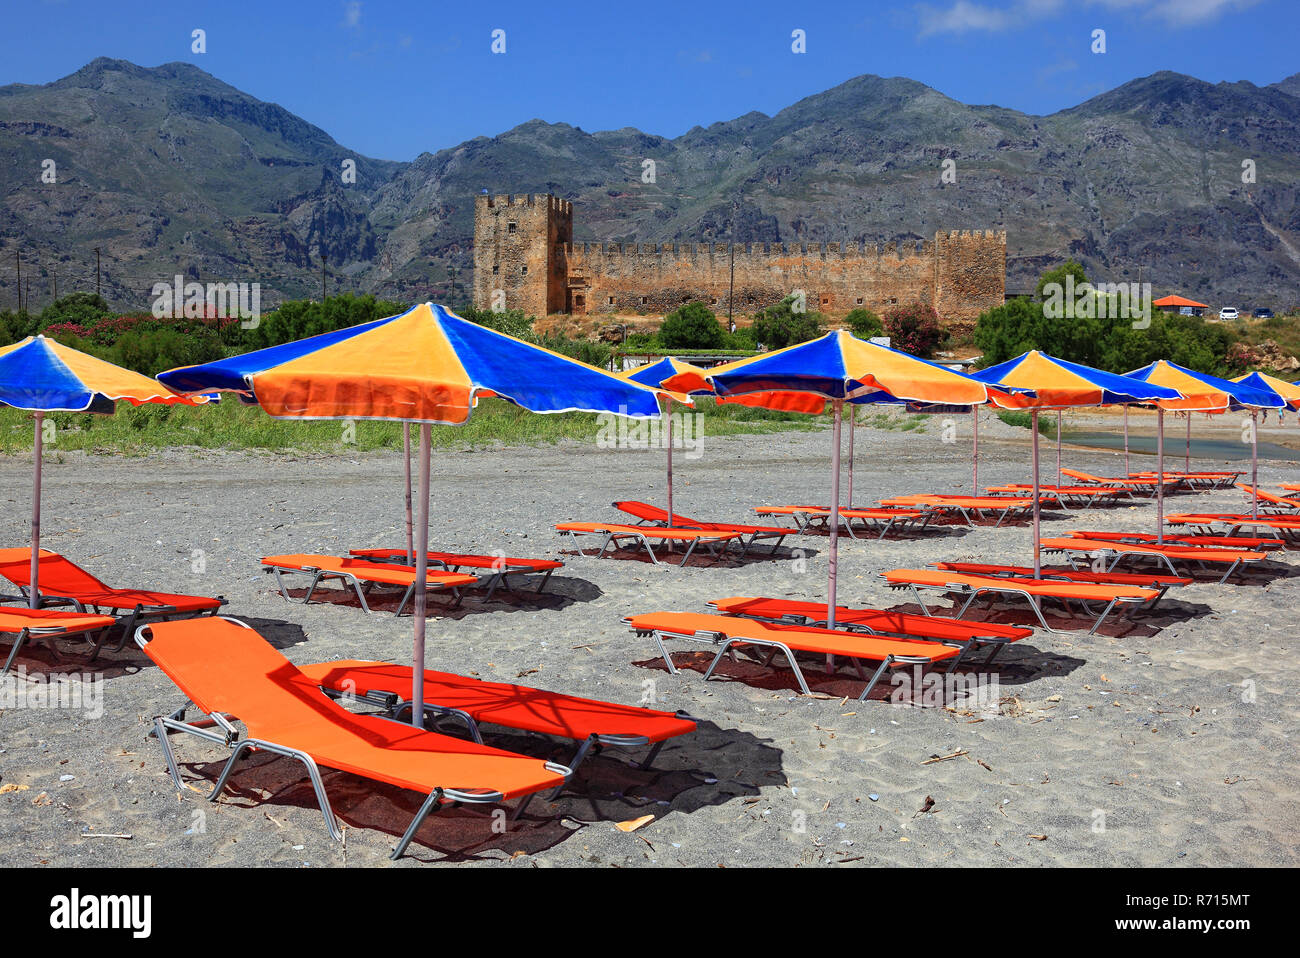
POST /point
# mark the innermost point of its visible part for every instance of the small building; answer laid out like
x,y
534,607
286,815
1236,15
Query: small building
x,y
1174,303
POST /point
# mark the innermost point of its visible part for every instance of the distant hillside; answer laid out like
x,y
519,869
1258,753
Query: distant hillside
x,y
169,170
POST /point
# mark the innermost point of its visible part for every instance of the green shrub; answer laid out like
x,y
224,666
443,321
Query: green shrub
x,y
863,323
782,325
691,326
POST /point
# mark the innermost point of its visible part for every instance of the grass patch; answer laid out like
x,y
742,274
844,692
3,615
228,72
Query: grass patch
x,y
894,423
139,430
1023,420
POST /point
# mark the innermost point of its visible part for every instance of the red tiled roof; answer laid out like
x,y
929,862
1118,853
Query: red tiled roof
x,y
1175,300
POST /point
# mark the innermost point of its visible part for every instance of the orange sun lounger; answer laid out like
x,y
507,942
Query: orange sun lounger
x,y
1285,528
49,624
1144,484
1032,590
497,569
1196,480
645,512
1162,583
1270,501
727,631
473,702
1167,553
361,576
1085,496
613,534
232,674
901,625
970,507
880,521
64,583
1185,539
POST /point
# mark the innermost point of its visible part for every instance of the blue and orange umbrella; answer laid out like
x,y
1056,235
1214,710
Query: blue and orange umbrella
x,y
838,368
427,366
42,376
1051,383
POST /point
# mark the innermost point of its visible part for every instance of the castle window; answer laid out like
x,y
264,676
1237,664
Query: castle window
x,y
611,300
859,300
713,301
511,227
826,300
495,270
580,301
644,300
523,270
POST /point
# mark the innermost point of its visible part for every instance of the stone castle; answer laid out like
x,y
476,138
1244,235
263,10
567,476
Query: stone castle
x,y
525,258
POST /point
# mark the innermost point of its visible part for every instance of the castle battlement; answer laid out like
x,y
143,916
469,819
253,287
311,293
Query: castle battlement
x,y
525,258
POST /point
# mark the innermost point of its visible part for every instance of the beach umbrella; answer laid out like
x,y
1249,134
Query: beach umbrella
x,y
1200,392
426,366
1289,394
838,368
1059,384
44,376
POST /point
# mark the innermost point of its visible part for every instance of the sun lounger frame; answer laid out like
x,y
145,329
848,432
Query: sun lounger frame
x,y
715,543
348,579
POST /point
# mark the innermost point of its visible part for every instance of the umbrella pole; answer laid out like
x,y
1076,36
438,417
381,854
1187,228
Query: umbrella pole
x,y
34,598
1126,466
831,601
1160,474
1033,426
853,430
1187,454
1254,463
1058,447
670,468
975,451
421,574
406,456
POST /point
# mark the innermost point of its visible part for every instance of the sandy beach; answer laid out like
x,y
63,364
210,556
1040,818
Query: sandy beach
x,y
1165,741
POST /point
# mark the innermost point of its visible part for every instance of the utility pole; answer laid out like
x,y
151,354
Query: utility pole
x,y
322,277
54,272
18,265
97,284
731,289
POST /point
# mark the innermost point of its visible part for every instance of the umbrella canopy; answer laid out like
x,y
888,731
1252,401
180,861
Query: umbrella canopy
x,y
426,365
1205,393
837,367
1290,392
41,376
1052,383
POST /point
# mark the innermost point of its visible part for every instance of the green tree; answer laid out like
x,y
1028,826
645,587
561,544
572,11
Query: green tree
x,y
1058,276
863,323
783,325
691,326
81,309
298,319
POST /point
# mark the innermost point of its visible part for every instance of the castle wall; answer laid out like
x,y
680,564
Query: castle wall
x,y
540,270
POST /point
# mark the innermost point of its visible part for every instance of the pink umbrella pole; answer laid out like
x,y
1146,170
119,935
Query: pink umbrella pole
x,y
1033,426
831,601
670,468
853,429
34,598
1126,440
406,457
1187,454
421,604
1254,463
1160,474
975,450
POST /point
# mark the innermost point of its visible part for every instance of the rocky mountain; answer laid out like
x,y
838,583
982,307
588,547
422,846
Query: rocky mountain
x,y
1196,185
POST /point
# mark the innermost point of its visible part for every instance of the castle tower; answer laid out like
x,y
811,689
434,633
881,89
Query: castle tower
x,y
516,265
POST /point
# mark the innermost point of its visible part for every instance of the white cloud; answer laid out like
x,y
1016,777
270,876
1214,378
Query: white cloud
x,y
968,16
352,14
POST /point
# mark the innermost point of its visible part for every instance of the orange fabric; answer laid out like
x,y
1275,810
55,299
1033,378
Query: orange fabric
x,y
643,510
962,502
1046,588
224,667
1218,542
14,620
799,638
1075,575
1197,395
465,559
60,577
650,532
1094,491
1089,477
901,624
384,573
499,703
844,513
1271,498
1172,550
1176,300
112,381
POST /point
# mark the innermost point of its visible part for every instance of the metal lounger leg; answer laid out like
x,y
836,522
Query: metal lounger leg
x,y
160,731
668,661
13,653
1105,612
682,564
889,659
430,805
917,595
794,665
313,773
650,759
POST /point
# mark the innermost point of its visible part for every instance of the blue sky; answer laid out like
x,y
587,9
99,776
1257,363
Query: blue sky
x,y
393,79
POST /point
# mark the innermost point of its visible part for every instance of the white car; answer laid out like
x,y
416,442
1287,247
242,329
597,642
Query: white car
x,y
1229,312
